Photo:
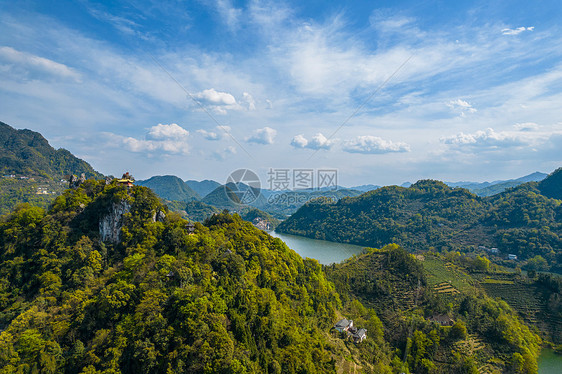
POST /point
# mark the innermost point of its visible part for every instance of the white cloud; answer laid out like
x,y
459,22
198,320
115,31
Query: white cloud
x,y
219,133
299,141
318,141
162,132
374,145
517,30
38,64
526,126
214,97
461,106
263,136
160,138
249,101
486,139
218,101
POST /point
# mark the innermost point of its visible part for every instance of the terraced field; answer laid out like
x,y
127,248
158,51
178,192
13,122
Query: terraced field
x,y
447,278
449,281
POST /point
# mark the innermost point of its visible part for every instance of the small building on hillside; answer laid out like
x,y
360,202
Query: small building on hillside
x,y
343,325
511,257
190,228
442,319
359,335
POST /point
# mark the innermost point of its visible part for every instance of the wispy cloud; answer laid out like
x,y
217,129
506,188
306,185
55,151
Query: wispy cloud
x,y
220,132
517,30
461,106
18,60
229,14
368,144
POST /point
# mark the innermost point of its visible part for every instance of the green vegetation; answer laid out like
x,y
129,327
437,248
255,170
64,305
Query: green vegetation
x,y
255,215
27,153
284,203
170,187
227,299
31,170
487,334
552,186
223,197
204,187
430,215
35,191
199,211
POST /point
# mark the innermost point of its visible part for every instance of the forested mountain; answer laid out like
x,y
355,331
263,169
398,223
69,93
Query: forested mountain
x,y
150,297
31,170
27,153
199,211
223,197
552,186
204,187
431,215
170,187
107,280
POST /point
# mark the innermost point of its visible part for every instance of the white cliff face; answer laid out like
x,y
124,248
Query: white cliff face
x,y
111,224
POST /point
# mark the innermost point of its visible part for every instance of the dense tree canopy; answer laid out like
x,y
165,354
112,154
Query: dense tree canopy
x,y
430,215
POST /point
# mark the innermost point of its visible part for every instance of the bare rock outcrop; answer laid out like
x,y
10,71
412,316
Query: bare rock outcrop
x,y
111,224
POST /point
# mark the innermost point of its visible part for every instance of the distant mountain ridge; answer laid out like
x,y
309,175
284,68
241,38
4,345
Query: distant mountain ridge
x,y
170,187
484,189
204,187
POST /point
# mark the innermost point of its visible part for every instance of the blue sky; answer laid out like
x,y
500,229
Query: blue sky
x,y
382,91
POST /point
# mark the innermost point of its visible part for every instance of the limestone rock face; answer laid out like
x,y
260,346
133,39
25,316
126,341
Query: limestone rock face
x,y
111,224
158,216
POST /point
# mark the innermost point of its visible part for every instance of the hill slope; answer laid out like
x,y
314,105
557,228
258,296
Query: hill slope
x,y
31,170
152,298
26,152
552,185
431,215
204,187
170,187
485,336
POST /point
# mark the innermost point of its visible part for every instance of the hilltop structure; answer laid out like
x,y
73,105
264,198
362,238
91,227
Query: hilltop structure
x,y
126,180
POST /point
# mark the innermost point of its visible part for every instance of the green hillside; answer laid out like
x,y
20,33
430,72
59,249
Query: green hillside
x,y
484,335
170,187
27,153
199,211
31,170
204,187
430,215
109,281
227,299
223,197
552,185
